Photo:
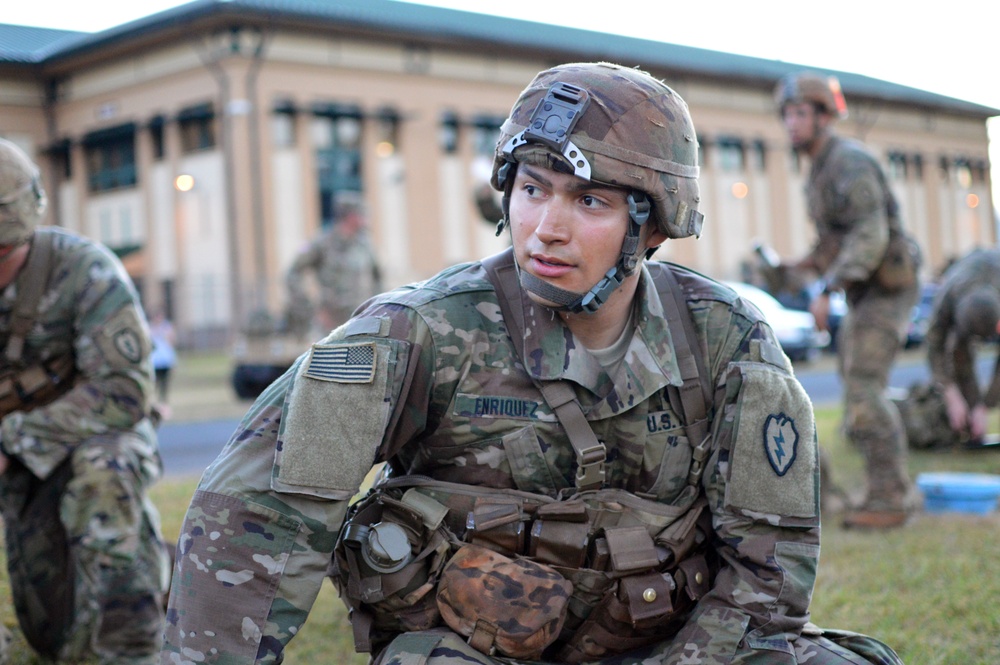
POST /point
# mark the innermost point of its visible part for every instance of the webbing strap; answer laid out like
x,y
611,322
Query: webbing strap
x,y
695,394
591,454
31,283
690,400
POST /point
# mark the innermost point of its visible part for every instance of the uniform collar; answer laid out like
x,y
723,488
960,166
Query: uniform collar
x,y
551,353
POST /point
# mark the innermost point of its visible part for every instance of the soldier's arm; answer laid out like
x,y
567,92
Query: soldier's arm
x,y
762,486
114,380
258,537
938,358
863,207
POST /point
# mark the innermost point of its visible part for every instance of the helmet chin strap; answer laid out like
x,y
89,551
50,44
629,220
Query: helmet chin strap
x,y
591,301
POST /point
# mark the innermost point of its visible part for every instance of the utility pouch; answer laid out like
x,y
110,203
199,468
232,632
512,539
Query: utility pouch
x,y
899,267
497,525
636,612
387,562
26,388
516,607
560,534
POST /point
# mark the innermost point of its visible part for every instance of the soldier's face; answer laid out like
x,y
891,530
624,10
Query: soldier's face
x,y
803,124
566,230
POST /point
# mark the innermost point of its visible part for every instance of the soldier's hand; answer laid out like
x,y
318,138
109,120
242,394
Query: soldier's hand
x,y
958,409
820,308
977,422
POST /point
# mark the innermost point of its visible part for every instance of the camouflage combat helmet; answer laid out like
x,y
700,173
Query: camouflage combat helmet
x,y
810,87
22,199
614,126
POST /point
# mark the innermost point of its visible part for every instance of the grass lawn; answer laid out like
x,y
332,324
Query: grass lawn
x,y
929,590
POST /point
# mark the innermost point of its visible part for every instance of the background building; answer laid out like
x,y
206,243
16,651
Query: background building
x,y
207,143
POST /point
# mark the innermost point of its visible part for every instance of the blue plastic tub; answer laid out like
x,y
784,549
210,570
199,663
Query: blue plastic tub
x,y
959,492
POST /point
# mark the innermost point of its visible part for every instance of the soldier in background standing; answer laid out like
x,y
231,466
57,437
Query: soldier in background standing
x,y
88,567
345,266
966,310
863,249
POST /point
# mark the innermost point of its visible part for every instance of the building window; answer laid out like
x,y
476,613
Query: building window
x,y
979,169
110,158
387,121
758,155
963,172
197,126
62,159
944,168
156,137
917,161
704,146
486,133
448,132
336,135
283,124
731,154
897,165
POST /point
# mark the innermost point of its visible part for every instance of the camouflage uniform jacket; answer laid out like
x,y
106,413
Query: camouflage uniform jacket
x,y
90,309
854,210
952,360
427,376
346,270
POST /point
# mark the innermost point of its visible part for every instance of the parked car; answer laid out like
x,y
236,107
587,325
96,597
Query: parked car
x,y
796,330
920,318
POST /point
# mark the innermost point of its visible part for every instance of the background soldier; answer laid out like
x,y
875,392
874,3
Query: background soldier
x,y
629,463
345,267
966,310
863,249
88,568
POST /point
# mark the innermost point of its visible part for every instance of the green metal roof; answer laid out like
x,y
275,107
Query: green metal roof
x,y
21,43
499,34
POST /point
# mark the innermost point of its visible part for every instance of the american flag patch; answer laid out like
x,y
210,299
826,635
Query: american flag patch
x,y
343,363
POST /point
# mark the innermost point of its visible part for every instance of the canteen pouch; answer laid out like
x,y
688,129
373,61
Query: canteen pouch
x,y
386,565
516,607
900,264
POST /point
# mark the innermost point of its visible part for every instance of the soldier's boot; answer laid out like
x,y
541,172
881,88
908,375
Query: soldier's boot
x,y
874,519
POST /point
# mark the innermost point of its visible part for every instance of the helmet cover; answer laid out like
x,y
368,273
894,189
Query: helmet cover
x,y
632,131
811,88
22,199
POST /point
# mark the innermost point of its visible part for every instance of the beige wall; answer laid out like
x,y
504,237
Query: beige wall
x,y
227,243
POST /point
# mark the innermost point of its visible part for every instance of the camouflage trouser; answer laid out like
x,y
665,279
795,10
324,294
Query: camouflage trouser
x,y
443,647
869,339
88,567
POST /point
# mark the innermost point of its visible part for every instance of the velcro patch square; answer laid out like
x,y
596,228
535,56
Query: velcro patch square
x,y
342,363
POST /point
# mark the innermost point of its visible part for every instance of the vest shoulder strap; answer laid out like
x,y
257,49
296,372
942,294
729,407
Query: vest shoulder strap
x,y
690,400
31,283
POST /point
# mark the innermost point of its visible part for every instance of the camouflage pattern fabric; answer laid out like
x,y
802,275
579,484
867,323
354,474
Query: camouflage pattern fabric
x,y
98,436
856,220
426,378
925,417
952,357
347,273
814,646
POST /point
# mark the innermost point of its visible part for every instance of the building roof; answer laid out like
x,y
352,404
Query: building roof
x,y
19,44
25,44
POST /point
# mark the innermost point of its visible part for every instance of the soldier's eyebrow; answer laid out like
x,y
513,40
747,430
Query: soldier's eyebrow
x,y
576,185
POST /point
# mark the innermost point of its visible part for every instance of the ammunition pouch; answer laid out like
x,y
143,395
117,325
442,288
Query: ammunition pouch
x,y
611,571
26,388
901,263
